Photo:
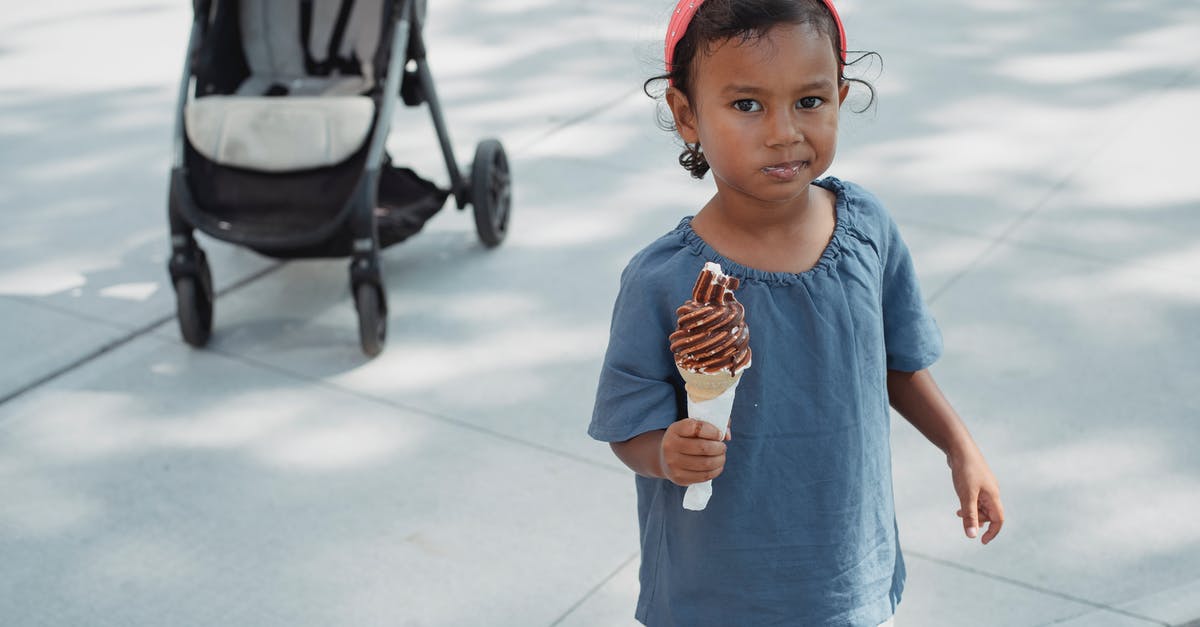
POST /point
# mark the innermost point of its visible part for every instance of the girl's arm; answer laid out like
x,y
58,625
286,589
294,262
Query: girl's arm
x,y
687,452
915,395
642,453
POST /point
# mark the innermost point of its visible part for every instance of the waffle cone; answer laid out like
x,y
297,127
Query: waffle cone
x,y
705,386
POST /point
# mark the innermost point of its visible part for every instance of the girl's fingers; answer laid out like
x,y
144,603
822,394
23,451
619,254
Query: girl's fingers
x,y
698,429
992,531
691,469
688,477
970,515
988,510
700,463
702,448
707,451
995,516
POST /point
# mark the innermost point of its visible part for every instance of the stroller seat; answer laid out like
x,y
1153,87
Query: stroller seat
x,y
279,134
295,110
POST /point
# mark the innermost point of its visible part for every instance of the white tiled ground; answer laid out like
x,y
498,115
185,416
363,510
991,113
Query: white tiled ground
x,y
1037,156
143,495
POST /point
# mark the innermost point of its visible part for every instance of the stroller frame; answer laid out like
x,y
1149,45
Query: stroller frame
x,y
355,229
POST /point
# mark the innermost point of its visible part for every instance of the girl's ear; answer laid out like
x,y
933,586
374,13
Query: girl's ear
x,y
843,91
684,114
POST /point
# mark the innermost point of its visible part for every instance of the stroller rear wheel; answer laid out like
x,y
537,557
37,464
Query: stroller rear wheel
x,y
491,192
194,305
372,318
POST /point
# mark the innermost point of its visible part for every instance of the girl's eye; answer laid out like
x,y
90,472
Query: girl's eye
x,y
747,106
809,102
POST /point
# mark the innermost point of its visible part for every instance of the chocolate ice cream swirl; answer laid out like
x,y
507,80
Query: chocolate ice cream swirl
x,y
711,335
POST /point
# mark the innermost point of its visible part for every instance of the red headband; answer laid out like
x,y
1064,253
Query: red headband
x,y
686,10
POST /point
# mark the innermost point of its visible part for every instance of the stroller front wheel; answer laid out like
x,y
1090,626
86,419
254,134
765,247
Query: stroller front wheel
x,y
194,308
491,192
192,280
372,319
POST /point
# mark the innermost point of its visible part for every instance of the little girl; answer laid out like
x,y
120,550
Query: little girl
x,y
801,528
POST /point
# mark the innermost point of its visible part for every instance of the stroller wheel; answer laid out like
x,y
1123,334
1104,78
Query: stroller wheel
x,y
491,192
194,306
372,319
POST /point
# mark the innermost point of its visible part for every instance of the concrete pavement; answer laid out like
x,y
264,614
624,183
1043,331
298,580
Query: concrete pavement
x,y
1038,156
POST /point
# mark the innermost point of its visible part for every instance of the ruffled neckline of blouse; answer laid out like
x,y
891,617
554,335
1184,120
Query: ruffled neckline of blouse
x,y
828,257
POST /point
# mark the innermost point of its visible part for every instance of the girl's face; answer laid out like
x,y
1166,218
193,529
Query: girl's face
x,y
765,112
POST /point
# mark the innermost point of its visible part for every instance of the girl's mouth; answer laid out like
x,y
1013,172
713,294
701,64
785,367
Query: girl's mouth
x,y
785,171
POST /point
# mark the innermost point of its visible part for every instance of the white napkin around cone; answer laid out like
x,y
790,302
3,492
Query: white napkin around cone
x,y
715,412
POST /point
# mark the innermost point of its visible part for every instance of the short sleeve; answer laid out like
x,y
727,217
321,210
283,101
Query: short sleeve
x,y
913,341
637,392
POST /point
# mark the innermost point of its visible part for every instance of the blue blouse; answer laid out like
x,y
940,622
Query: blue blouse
x,y
801,528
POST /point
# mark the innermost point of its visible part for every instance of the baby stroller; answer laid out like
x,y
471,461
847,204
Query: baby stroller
x,y
284,112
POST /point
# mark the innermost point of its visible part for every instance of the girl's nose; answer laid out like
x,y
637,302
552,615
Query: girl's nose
x,y
784,129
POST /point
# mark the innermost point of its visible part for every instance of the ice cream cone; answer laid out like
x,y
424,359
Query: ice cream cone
x,y
711,345
705,386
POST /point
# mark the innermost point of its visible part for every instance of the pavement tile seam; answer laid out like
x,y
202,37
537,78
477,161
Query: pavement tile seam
x,y
84,360
1010,238
73,313
572,121
600,164
134,334
1092,615
1036,247
1007,235
1031,587
412,409
1010,232
1181,599
590,593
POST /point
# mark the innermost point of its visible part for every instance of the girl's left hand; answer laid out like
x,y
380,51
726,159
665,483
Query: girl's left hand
x,y
978,495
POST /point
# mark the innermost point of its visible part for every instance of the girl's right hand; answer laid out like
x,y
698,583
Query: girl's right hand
x,y
692,452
